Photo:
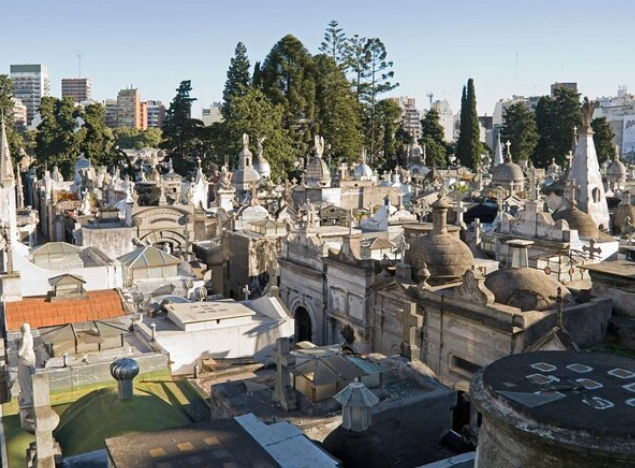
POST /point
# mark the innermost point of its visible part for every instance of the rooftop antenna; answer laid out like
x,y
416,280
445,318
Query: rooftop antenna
x,y
79,55
516,84
430,96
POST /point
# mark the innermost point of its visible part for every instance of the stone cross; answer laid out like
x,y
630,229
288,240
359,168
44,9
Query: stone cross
x,y
284,392
591,249
508,144
476,224
460,210
573,187
246,291
411,323
254,193
273,272
569,158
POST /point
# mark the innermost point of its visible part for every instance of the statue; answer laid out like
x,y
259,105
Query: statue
x,y
7,247
319,145
245,141
26,366
260,141
587,112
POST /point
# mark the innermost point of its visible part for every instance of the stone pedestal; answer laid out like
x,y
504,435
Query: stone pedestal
x,y
10,289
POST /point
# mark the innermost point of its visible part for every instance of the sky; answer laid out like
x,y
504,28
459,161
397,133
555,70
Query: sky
x,y
509,47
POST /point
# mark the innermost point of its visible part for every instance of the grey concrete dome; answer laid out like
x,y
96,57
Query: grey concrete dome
x,y
579,221
525,288
507,173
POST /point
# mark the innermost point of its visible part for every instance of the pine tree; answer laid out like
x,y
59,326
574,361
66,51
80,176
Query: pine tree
x,y
336,110
433,138
356,61
57,141
256,116
238,77
334,43
98,140
377,81
603,139
520,130
181,132
256,77
555,119
287,80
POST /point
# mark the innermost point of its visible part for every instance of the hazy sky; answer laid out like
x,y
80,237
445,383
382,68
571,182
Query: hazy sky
x,y
435,46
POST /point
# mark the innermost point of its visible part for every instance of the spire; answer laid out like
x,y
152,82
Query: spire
x,y
6,165
498,152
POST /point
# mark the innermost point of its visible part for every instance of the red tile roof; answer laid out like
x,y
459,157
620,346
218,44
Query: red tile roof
x,y
39,313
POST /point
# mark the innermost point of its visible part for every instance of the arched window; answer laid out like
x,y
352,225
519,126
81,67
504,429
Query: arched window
x,y
595,193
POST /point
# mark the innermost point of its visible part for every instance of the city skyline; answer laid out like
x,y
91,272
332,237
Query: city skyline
x,y
558,46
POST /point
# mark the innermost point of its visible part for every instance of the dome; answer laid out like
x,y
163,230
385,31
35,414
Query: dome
x,y
362,171
617,171
444,254
525,288
579,221
262,167
508,172
317,172
364,449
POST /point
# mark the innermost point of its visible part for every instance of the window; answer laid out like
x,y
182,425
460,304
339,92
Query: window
x,y
464,366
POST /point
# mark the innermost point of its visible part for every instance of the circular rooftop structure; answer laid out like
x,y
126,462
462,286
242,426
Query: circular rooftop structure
x,y
556,408
580,221
507,173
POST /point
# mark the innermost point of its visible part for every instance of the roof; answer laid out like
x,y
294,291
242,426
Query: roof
x,y
56,249
215,444
65,279
148,257
38,312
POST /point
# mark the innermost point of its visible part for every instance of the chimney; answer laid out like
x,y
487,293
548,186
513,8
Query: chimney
x,y
124,371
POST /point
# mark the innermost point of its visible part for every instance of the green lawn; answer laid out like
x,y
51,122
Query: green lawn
x,y
159,403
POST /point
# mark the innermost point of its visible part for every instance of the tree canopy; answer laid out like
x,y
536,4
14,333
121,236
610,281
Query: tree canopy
x,y
520,130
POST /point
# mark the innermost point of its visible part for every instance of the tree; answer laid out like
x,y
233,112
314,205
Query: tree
x,y
336,110
356,61
555,119
520,130
256,116
256,77
181,131
603,139
6,109
98,140
386,126
377,75
468,148
287,80
334,44
433,139
126,137
238,77
57,142
151,138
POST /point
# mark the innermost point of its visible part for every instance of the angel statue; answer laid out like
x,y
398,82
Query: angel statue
x,y
319,146
260,142
245,141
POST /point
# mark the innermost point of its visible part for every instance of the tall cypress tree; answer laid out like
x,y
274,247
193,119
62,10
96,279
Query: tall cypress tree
x,y
469,144
238,77
603,139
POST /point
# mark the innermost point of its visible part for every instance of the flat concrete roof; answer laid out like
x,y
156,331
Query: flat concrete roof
x,y
622,268
197,312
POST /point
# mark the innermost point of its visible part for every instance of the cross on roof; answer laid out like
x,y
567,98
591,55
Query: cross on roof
x,y
411,322
569,158
246,291
591,249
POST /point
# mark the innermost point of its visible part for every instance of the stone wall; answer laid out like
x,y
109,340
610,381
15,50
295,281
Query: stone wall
x,y
113,242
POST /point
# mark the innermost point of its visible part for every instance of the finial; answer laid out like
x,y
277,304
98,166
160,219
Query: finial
x,y
508,144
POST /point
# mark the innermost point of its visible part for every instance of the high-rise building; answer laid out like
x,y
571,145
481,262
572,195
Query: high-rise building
x,y
110,105
572,86
212,114
31,84
156,113
446,119
143,115
77,88
19,115
410,116
129,112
